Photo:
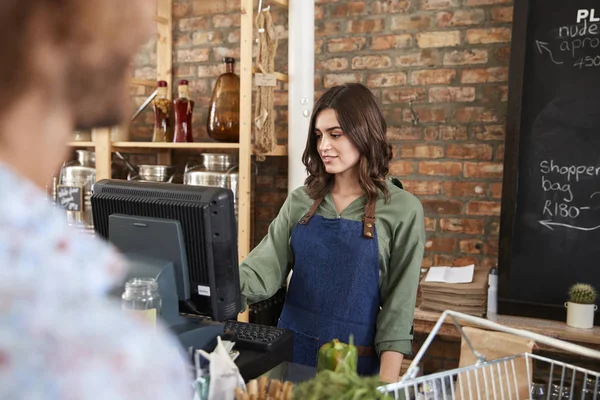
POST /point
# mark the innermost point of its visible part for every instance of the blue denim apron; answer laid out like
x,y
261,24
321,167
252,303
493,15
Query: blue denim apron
x,y
334,290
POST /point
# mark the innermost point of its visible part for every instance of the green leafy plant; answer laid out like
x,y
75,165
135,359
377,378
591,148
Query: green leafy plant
x,y
582,293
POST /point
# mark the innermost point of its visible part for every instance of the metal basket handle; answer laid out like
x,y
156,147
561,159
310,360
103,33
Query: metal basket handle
x,y
413,369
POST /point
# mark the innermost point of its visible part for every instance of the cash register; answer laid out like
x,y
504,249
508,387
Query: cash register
x,y
185,237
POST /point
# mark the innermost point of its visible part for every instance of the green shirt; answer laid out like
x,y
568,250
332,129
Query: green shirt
x,y
401,239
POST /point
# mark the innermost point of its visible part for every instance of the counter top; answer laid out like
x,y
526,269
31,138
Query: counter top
x,y
425,320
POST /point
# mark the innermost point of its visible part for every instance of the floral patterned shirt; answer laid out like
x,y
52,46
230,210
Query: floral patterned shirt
x,y
61,337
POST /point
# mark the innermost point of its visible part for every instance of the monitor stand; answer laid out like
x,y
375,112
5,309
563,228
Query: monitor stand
x,y
198,333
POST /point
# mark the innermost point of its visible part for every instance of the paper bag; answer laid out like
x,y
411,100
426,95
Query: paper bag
x,y
494,345
224,374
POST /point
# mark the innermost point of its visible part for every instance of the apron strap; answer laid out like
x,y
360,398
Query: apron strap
x,y
369,220
310,212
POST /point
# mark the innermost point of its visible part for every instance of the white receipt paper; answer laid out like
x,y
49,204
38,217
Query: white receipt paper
x,y
451,274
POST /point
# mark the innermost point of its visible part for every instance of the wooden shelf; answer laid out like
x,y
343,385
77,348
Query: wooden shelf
x,y
159,145
142,82
278,75
80,144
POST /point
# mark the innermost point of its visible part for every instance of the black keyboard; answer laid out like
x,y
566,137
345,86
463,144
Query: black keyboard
x,y
253,336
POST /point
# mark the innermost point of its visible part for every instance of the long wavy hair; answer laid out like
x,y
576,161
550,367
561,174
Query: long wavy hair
x,y
363,123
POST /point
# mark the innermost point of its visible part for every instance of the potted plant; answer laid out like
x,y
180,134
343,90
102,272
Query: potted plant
x,y
581,306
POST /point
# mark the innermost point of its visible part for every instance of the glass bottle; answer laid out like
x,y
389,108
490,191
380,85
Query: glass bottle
x,y
142,300
183,107
163,114
223,122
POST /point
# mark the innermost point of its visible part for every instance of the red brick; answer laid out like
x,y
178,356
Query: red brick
x,y
339,79
193,55
438,39
433,77
502,14
411,22
215,7
469,151
466,57
441,244
500,153
471,246
488,35
234,37
209,70
371,62
475,114
194,24
502,55
445,132
465,189
264,181
403,95
386,79
482,75
387,42
485,2
466,226
220,52
389,6
365,25
422,187
494,93
333,64
426,263
489,132
350,9
443,168
490,247
423,58
480,207
328,28
483,169
496,190
181,10
319,46
401,168
348,44
426,114
438,4
430,223
319,13
451,94
226,21
404,133
442,206
455,261
494,228
207,37
410,150
460,18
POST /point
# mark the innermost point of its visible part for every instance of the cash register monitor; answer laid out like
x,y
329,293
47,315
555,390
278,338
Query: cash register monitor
x,y
191,227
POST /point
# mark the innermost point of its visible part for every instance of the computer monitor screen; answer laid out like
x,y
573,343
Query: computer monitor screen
x,y
206,220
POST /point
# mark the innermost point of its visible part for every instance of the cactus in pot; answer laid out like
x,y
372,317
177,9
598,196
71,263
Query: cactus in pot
x,y
581,306
582,293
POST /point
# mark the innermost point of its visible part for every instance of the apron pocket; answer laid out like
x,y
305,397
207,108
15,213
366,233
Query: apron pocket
x,y
306,348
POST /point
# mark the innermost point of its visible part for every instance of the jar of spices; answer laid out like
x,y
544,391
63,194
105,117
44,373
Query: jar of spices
x,y
142,299
183,107
163,115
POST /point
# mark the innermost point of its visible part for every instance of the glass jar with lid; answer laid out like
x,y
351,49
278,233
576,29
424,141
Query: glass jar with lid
x,y
142,299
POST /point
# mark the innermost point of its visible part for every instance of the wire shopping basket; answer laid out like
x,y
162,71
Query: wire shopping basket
x,y
508,378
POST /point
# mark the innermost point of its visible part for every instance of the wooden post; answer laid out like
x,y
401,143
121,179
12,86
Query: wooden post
x,y
103,148
164,43
247,29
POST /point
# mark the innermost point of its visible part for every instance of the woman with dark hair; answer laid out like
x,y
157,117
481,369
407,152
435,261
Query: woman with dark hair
x,y
353,239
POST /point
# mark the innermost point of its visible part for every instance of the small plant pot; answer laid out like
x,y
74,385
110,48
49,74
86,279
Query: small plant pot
x,y
580,315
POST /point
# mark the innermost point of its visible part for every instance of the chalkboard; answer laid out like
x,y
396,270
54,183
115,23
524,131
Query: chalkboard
x,y
69,198
550,222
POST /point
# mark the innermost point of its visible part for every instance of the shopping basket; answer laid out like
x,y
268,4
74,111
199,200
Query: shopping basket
x,y
498,378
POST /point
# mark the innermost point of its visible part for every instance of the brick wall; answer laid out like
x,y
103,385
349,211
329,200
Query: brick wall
x,y
450,57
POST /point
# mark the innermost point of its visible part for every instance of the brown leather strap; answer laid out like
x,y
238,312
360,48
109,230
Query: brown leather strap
x,y
369,220
310,212
365,351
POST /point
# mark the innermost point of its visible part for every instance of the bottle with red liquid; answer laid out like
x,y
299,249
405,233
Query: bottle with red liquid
x,y
223,124
183,108
163,115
